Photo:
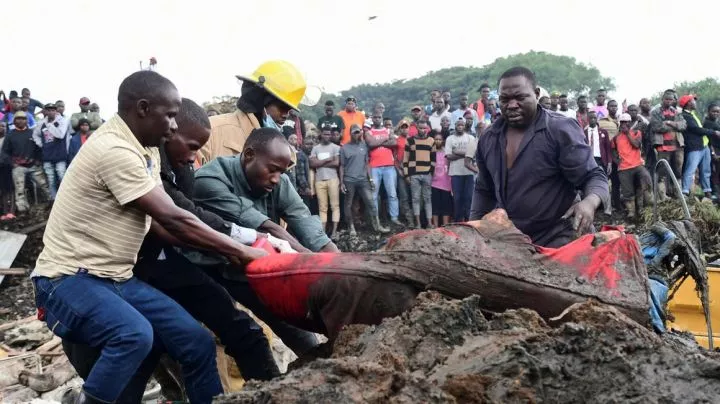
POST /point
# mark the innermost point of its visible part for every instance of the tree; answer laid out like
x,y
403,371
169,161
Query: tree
x,y
223,105
555,73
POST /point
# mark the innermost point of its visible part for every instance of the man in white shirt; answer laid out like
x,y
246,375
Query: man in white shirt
x,y
563,101
462,110
438,113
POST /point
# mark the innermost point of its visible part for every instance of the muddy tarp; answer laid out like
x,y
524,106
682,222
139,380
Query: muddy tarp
x,y
489,258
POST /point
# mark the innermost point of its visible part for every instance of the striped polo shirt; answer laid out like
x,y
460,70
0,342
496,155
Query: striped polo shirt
x,y
91,225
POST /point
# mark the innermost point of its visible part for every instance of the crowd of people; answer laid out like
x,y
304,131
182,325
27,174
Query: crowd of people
x,y
426,164
162,206
38,141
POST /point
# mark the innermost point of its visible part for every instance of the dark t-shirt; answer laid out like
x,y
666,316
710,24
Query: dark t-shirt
x,y
354,160
331,121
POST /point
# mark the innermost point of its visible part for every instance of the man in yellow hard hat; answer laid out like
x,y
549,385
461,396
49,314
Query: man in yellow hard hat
x,y
267,96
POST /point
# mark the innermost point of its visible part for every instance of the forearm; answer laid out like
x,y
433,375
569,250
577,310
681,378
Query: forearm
x,y
453,157
191,232
470,165
276,230
330,248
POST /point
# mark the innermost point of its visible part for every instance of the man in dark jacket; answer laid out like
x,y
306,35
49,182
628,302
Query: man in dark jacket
x,y
697,147
166,269
25,156
712,121
531,163
601,145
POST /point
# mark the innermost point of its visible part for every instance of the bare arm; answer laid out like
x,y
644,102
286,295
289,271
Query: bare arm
x,y
333,162
373,142
187,229
470,165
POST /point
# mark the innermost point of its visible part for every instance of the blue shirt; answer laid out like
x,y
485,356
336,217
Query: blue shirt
x,y
553,161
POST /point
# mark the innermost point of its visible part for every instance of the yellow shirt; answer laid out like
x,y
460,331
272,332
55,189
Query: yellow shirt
x,y
228,135
91,225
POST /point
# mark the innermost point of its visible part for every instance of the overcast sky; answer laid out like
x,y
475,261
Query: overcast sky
x,y
66,49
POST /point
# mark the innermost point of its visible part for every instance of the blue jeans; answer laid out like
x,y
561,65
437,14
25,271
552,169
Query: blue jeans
x,y
123,318
462,187
693,159
388,176
51,169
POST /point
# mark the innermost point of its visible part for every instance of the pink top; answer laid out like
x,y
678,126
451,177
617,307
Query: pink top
x,y
441,179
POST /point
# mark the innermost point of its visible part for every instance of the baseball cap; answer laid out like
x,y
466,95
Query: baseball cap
x,y
416,107
355,127
84,100
19,114
403,122
50,106
683,101
368,123
351,98
625,118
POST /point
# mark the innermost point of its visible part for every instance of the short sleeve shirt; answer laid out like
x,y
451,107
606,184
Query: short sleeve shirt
x,y
91,225
354,161
460,144
325,152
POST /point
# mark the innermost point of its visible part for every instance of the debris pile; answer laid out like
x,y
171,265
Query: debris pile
x,y
32,363
445,351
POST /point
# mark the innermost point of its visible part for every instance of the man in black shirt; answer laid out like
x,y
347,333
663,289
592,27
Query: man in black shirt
x,y
25,155
330,120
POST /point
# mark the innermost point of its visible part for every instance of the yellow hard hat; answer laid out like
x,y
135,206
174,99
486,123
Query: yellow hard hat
x,y
281,79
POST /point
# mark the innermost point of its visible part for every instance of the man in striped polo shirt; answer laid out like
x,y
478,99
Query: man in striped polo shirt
x,y
419,165
84,286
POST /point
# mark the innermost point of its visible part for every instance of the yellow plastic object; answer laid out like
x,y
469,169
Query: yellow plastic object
x,y
281,79
688,311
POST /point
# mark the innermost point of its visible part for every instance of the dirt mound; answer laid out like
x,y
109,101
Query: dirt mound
x,y
446,351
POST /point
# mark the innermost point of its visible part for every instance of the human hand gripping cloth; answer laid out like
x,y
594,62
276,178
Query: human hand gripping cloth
x,y
489,257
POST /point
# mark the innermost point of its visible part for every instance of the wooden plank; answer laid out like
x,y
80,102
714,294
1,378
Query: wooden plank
x,y
13,271
13,324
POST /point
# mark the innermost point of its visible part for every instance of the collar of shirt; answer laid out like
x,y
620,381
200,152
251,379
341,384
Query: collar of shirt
x,y
121,128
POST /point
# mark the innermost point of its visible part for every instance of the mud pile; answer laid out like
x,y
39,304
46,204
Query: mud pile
x,y
445,351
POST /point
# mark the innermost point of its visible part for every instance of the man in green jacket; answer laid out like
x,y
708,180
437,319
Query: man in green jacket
x,y
252,190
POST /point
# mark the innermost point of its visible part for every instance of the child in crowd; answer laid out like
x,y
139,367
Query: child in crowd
x,y
442,200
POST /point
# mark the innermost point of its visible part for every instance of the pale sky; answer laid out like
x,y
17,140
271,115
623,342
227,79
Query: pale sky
x,y
67,49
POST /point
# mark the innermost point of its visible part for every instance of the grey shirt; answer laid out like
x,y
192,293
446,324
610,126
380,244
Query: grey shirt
x,y
354,161
325,152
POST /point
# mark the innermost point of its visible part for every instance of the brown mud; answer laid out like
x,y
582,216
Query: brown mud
x,y
448,351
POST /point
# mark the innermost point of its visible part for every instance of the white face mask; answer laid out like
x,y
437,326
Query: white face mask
x,y
270,123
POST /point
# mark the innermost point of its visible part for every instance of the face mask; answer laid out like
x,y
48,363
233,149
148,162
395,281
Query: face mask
x,y
270,123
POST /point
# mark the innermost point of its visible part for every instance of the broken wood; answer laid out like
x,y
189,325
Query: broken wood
x,y
13,324
13,271
49,346
32,228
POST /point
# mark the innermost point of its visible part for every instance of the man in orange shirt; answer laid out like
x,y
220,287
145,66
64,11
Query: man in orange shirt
x,y
350,116
634,177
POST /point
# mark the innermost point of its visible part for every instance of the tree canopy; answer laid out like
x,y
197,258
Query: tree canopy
x,y
555,73
706,90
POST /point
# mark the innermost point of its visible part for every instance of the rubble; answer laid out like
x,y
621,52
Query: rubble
x,y
447,351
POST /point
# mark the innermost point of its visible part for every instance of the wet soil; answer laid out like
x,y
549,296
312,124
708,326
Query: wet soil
x,y
447,351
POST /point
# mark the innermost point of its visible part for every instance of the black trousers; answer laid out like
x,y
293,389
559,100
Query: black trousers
x,y
208,302
298,340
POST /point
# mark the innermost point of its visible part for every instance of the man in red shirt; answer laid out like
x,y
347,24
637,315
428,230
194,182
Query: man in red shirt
x,y
417,114
382,163
350,115
634,177
403,189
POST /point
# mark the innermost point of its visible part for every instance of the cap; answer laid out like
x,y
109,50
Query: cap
x,y
351,98
367,124
84,100
625,118
354,127
19,114
403,122
50,106
416,107
683,101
